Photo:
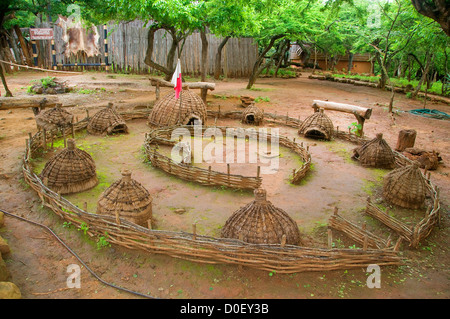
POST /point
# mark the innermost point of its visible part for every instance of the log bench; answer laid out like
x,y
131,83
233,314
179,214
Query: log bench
x,y
203,86
361,113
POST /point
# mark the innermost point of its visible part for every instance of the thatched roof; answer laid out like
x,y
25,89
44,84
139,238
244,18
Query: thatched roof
x,y
54,118
127,198
183,111
252,115
405,187
375,153
70,171
107,121
260,222
317,125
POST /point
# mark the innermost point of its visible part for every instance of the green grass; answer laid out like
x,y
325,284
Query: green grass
x,y
436,88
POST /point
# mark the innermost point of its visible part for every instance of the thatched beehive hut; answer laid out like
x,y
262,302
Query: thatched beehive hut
x,y
127,198
375,153
318,126
185,110
252,115
70,171
54,118
260,222
405,187
107,121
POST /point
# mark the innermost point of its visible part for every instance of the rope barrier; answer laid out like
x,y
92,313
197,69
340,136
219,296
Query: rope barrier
x,y
77,257
39,69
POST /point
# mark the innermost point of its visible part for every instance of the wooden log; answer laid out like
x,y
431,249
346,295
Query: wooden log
x,y
363,112
190,85
20,102
406,138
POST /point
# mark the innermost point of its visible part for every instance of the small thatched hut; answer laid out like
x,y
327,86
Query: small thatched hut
x,y
260,222
318,126
128,199
375,153
107,121
185,110
70,171
405,187
252,115
54,118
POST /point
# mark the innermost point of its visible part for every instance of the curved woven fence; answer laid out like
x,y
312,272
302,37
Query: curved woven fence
x,y
194,247
161,136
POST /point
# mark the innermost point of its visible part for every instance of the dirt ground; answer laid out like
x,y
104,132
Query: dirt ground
x,y
38,263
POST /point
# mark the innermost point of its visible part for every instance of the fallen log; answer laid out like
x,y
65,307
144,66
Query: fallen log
x,y
21,102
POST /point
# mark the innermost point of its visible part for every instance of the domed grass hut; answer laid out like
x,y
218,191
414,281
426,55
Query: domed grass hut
x,y
107,121
405,187
54,118
260,222
317,126
252,115
70,171
185,110
375,153
128,199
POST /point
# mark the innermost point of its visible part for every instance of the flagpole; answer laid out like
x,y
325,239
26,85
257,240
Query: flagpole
x,y
181,92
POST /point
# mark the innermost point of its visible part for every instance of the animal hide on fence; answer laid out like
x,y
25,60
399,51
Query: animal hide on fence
x,y
77,38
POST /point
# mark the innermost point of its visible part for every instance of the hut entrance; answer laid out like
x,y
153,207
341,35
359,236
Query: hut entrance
x,y
193,120
250,119
316,134
121,128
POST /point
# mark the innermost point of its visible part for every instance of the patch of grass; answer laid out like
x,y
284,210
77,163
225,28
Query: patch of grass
x,y
262,99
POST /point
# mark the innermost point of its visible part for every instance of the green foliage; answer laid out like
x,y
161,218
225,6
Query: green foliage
x,y
103,241
355,128
48,82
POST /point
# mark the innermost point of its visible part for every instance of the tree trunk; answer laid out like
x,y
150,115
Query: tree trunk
x,y
23,46
204,65
218,64
256,70
350,62
406,138
5,85
285,47
424,74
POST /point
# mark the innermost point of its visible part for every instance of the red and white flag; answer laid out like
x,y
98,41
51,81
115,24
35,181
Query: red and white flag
x,y
176,80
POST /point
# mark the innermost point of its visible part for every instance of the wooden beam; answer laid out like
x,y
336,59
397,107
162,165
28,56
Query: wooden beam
x,y
21,102
191,85
340,107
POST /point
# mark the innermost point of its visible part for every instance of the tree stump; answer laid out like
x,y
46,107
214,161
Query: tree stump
x,y
406,139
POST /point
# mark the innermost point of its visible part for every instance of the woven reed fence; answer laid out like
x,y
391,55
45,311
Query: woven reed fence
x,y
213,178
191,246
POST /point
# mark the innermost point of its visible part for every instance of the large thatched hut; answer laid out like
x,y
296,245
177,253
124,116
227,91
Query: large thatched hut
x,y
128,199
71,170
185,110
260,222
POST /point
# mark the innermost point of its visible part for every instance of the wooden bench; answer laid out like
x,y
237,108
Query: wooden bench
x,y
203,86
361,113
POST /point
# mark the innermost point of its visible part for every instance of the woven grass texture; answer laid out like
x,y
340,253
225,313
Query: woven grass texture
x,y
405,187
260,222
318,126
375,153
54,118
107,121
71,170
127,198
168,110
